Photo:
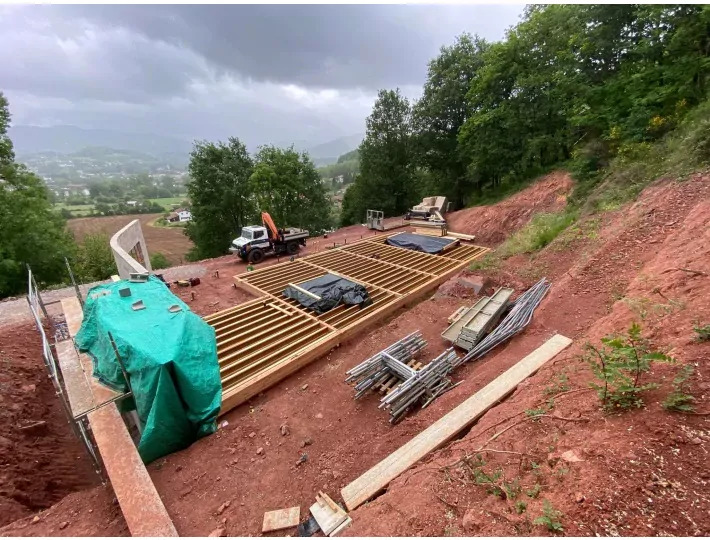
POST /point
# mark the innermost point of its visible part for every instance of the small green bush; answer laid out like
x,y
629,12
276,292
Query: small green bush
x,y
619,364
550,517
679,400
703,332
158,261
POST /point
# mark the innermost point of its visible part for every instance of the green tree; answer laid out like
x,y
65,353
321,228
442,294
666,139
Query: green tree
x,y
7,155
442,110
94,260
287,185
221,195
387,168
30,231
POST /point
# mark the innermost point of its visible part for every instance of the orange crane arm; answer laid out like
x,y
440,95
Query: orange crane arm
x,y
266,218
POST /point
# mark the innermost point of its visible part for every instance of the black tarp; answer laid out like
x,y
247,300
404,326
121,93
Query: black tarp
x,y
333,291
419,242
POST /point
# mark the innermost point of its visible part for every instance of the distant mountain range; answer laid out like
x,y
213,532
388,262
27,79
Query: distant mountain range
x,y
30,140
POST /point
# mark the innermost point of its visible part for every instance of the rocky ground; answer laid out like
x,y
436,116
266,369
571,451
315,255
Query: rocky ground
x,y
642,472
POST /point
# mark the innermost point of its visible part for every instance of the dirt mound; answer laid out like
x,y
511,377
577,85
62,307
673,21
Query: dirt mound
x,y
94,512
38,465
493,224
636,473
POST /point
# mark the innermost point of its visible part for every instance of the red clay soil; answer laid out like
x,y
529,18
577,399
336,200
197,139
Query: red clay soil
x,y
643,472
93,512
493,224
38,465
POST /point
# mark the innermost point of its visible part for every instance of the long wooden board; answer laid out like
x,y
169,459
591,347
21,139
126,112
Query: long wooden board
x,y
377,478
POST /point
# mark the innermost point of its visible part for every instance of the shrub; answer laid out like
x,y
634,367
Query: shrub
x,y
679,400
619,365
94,259
158,261
702,331
550,517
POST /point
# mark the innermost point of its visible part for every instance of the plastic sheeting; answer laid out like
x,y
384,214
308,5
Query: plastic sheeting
x,y
170,358
419,242
333,291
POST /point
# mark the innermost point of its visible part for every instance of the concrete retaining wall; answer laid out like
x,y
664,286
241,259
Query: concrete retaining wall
x,y
123,242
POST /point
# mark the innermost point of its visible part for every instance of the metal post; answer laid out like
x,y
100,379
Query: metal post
x,y
76,287
125,376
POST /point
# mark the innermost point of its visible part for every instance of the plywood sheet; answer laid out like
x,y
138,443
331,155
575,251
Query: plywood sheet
x,y
281,519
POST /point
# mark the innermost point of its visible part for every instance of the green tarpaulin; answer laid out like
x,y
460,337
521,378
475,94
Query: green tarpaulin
x,y
170,358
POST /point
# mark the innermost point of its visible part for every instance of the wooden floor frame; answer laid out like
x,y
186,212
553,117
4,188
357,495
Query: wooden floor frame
x,y
263,341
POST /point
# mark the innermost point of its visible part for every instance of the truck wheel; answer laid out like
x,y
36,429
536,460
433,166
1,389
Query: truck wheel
x,y
292,247
256,256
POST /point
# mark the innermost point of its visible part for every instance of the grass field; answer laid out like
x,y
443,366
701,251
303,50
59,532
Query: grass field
x,y
76,209
169,241
167,202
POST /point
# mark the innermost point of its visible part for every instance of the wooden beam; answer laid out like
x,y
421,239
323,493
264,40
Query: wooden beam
x,y
439,433
462,236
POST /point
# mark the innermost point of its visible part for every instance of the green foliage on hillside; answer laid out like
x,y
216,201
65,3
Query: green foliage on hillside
x,y
353,155
597,88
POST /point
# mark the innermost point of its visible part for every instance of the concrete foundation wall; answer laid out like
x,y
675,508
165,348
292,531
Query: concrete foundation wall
x,y
128,239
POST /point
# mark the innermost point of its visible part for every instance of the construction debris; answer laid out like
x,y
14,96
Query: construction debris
x,y
330,517
276,520
423,385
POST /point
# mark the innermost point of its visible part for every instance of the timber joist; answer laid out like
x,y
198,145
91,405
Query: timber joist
x,y
264,340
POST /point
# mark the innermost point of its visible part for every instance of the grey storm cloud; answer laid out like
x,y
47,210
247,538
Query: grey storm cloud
x,y
265,71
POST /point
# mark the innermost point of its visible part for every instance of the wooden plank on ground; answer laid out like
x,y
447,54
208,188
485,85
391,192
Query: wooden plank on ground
x,y
281,519
377,478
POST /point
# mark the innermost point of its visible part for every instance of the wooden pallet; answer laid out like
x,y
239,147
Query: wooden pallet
x,y
389,385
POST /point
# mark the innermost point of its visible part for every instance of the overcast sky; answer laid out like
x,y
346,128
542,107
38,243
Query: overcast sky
x,y
262,73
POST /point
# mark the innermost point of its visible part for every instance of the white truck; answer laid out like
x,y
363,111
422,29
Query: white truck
x,y
257,241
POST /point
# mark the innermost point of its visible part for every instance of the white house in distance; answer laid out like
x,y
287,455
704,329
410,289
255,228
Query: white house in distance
x,y
180,214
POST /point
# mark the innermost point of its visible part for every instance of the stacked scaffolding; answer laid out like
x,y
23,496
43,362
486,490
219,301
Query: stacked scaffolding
x,y
422,385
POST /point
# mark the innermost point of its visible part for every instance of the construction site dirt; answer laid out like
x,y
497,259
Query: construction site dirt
x,y
638,473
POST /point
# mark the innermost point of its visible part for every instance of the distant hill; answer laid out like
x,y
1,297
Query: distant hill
x,y
69,139
31,140
328,152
